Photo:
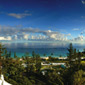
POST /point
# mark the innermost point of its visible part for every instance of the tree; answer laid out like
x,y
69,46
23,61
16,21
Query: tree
x,y
75,53
2,54
26,54
83,52
55,78
70,53
2,51
5,52
38,63
15,56
75,56
79,60
51,54
44,54
78,79
10,54
33,54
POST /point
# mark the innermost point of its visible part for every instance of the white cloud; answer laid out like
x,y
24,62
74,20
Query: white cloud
x,y
9,38
5,38
53,35
2,38
32,37
49,31
83,32
76,29
25,36
14,33
23,33
15,37
68,34
83,1
19,15
80,39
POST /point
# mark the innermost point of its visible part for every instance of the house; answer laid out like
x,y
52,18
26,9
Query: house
x,y
46,58
45,63
58,63
62,58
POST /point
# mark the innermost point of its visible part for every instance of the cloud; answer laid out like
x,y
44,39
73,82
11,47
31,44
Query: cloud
x,y
15,37
24,33
79,38
76,29
19,15
83,32
38,37
83,17
30,30
26,11
25,36
8,30
83,1
53,35
5,38
68,34
29,33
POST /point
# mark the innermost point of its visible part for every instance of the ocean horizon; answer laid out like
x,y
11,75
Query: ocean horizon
x,y
41,49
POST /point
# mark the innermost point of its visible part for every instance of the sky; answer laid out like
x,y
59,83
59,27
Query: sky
x,y
42,20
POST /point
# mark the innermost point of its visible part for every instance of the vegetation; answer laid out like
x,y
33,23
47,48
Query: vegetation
x,y
28,71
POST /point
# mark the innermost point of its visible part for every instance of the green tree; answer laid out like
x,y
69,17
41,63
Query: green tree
x,y
6,54
38,63
51,54
75,53
70,54
44,54
15,56
79,60
83,52
78,78
54,78
2,51
2,54
33,54
10,54
26,54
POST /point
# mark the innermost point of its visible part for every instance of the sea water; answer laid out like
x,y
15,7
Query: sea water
x,y
40,48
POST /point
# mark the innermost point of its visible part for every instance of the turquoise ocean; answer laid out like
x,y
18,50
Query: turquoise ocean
x,y
40,48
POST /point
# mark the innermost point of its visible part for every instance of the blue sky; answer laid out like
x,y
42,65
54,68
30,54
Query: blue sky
x,y
58,20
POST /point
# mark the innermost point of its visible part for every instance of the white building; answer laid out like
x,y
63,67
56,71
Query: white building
x,y
58,63
2,81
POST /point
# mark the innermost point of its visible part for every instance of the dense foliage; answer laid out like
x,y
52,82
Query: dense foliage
x,y
28,71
